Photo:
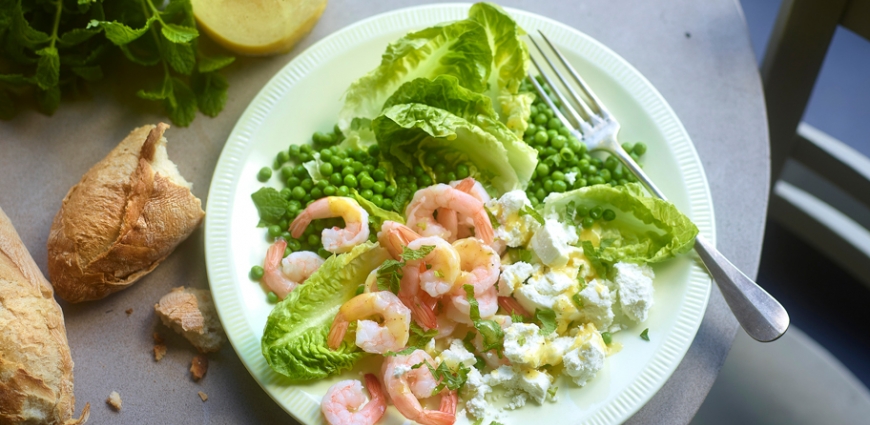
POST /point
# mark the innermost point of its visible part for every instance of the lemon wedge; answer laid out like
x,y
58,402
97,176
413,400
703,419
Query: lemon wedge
x,y
257,27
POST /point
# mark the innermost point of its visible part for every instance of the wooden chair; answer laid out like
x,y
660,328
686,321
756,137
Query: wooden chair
x,y
821,189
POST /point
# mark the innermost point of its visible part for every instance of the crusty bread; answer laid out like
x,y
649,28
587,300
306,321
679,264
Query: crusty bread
x,y
191,313
36,369
124,217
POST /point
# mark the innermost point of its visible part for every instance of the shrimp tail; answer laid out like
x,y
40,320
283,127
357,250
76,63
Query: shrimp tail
x,y
448,402
483,227
337,331
423,314
465,185
299,224
435,417
378,400
513,306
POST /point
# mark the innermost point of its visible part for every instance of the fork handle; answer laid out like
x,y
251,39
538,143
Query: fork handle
x,y
759,313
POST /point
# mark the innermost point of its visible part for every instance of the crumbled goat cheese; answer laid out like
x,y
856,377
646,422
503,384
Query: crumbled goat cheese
x,y
635,289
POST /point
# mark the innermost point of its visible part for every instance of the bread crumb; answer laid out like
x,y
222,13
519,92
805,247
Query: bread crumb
x,y
114,400
191,313
157,338
129,311
159,352
203,396
199,366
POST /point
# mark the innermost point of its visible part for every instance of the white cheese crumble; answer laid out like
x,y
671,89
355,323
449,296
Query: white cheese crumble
x,y
514,229
512,277
551,242
597,304
456,354
526,348
635,289
586,356
476,389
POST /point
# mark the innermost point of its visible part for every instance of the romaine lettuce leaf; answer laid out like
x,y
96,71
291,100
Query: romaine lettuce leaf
x,y
510,58
445,92
459,49
294,340
646,229
377,215
406,132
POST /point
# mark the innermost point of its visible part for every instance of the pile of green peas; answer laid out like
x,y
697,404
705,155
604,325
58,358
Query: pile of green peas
x,y
561,154
588,216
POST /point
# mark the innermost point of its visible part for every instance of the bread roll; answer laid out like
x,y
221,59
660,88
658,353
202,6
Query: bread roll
x,y
124,217
191,313
36,370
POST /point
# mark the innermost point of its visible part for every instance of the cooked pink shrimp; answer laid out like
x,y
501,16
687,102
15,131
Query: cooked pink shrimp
x,y
371,336
441,268
337,240
458,225
395,236
512,306
401,389
294,270
445,326
480,268
341,404
426,201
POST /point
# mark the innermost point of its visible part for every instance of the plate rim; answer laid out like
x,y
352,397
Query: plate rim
x,y
226,176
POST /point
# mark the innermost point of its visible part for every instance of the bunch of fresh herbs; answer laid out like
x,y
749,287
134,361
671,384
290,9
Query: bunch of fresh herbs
x,y
54,47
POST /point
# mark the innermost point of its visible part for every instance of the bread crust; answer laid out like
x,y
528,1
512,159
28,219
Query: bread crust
x,y
120,221
36,369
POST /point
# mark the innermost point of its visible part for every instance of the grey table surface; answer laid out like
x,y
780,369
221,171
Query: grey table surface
x,y
697,54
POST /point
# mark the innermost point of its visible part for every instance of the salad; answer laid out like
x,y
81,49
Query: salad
x,y
451,230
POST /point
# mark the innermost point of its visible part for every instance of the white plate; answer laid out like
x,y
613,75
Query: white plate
x,y
305,96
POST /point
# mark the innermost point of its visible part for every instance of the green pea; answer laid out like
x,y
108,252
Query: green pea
x,y
294,244
329,190
313,240
271,298
540,193
564,131
608,215
379,175
534,110
374,150
605,175
264,174
543,169
462,171
596,180
558,175
580,182
547,111
595,213
559,141
307,184
639,149
321,138
283,157
390,191
413,186
541,119
323,253
430,159
627,147
347,171
551,134
358,167
298,193
300,172
582,211
367,194
325,154
294,151
618,173
336,162
287,251
441,177
379,187
366,182
591,169
531,129
548,185
335,179
388,204
305,157
451,176
560,186
567,154
326,168
424,180
554,124
274,230
607,337
350,181
287,171
534,201
294,205
285,193
541,137
316,193
418,171
403,179
306,148
256,273
588,222
611,163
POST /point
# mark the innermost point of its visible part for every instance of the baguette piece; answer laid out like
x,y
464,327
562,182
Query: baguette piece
x,y
36,369
191,313
125,216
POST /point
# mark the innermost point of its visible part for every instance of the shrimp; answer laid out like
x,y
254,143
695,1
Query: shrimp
x,y
341,404
512,306
480,268
426,201
395,236
336,240
401,386
458,225
440,268
295,269
371,336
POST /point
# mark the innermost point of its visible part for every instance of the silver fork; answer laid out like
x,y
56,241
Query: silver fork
x,y
761,315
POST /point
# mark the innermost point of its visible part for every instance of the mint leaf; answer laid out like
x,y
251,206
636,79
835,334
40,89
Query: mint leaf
x,y
164,93
76,36
517,318
409,254
178,34
47,68
88,73
390,275
452,380
645,334
120,34
180,56
211,92
210,64
183,111
48,100
490,330
16,79
23,32
146,61
547,317
271,206
532,212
